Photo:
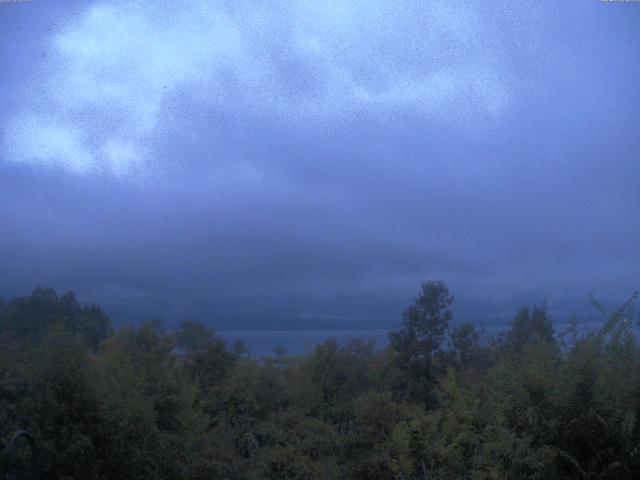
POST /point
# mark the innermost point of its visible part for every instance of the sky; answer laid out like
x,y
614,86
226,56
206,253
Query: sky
x,y
264,164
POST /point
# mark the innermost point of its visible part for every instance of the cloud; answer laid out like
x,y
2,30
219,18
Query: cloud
x,y
318,159
34,139
117,72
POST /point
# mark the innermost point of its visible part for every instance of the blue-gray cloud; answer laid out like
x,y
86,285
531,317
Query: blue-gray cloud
x,y
116,70
317,160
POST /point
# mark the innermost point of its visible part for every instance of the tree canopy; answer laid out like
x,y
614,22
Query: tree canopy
x,y
441,401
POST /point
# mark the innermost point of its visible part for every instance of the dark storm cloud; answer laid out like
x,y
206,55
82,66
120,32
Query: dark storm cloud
x,y
311,165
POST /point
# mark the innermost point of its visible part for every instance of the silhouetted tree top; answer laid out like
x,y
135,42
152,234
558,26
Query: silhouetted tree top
x,y
419,340
32,317
531,325
138,408
425,322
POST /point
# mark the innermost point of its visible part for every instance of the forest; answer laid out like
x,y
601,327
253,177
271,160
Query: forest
x,y
441,401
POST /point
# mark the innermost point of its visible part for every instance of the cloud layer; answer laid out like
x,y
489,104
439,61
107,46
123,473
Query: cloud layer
x,y
307,163
116,72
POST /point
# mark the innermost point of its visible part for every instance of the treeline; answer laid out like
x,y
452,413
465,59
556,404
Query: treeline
x,y
440,402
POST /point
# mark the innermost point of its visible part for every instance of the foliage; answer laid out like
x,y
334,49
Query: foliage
x,y
33,317
419,341
438,403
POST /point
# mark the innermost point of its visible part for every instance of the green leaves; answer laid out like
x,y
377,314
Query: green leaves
x,y
419,341
32,318
149,404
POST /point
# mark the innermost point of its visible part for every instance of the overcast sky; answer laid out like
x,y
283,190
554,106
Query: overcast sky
x,y
309,163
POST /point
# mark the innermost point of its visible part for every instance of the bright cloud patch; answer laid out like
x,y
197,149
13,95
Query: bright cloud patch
x,y
116,71
37,140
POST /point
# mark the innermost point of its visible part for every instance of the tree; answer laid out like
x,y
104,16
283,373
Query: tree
x,y
530,326
420,339
32,318
207,358
194,336
465,341
61,407
148,405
